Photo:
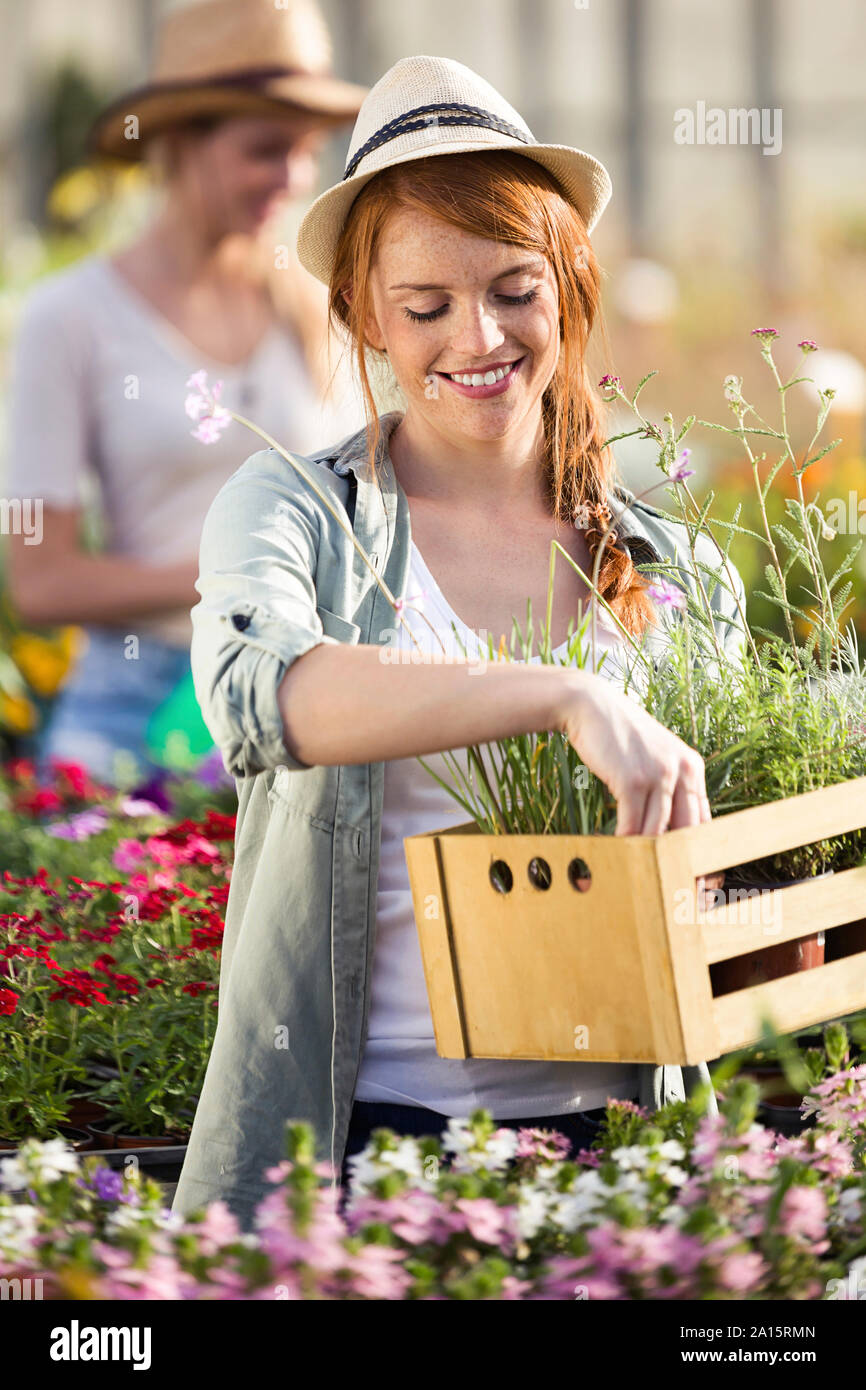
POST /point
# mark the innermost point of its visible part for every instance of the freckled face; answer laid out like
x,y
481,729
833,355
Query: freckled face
x,y
449,305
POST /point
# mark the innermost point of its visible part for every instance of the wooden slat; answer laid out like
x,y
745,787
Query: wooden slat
x,y
812,996
785,914
685,957
780,825
430,902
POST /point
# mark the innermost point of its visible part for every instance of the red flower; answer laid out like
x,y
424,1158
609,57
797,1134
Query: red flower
x,y
20,770
37,802
78,987
154,981
218,827
207,938
198,987
127,984
8,1001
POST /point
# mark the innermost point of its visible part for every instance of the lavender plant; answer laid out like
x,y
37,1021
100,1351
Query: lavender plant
x,y
782,715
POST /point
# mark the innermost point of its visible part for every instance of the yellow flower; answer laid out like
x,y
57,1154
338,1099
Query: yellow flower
x,y
17,713
42,661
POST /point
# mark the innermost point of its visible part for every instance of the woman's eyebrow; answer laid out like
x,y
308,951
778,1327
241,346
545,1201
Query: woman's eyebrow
x,y
524,266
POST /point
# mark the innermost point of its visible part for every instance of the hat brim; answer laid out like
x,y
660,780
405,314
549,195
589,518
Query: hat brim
x,y
328,101
585,182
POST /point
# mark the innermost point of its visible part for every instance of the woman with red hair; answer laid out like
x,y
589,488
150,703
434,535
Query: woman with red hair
x,y
456,250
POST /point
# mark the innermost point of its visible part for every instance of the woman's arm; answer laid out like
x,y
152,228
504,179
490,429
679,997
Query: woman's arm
x,y
345,704
276,690
56,582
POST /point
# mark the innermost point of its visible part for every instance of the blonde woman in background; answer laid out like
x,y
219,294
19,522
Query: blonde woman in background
x,y
239,103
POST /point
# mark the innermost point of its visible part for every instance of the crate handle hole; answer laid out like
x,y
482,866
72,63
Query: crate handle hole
x,y
539,873
501,876
579,875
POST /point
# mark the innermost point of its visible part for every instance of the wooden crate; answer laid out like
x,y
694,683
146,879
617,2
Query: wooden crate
x,y
621,971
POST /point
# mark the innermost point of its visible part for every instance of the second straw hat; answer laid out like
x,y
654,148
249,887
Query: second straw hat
x,y
230,57
427,106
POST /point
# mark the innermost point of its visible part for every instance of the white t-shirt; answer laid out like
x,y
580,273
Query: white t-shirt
x,y
400,1062
97,416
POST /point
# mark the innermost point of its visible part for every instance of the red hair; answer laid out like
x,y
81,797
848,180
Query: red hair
x,y
503,196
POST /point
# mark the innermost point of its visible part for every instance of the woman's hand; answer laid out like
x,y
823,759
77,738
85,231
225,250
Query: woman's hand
x,y
656,779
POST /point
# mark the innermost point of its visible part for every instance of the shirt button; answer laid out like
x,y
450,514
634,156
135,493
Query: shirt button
x,y
241,621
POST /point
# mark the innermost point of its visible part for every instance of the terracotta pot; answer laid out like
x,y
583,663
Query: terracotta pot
x,y
770,962
84,1113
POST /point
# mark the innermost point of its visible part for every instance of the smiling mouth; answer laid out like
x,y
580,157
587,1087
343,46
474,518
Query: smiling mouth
x,y
489,377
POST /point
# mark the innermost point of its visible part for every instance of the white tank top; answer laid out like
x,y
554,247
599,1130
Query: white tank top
x,y
400,1062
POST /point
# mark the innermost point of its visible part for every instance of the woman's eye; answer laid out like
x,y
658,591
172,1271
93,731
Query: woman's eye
x,y
425,318
416,317
519,298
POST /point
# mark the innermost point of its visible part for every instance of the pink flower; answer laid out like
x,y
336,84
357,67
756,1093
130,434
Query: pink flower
x,y
742,1273
128,855
666,594
803,1213
486,1222
808,345
202,405
765,333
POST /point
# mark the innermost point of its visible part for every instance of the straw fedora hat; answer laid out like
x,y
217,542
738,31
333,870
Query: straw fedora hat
x,y
427,106
230,57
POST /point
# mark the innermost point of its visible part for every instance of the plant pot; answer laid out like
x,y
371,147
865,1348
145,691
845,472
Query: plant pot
x,y
597,948
110,1139
78,1139
84,1113
847,940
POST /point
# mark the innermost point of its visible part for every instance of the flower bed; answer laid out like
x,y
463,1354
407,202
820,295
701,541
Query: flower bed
x,y
108,983
678,1205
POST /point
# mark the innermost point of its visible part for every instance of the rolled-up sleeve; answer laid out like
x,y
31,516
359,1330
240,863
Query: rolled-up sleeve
x,y
257,614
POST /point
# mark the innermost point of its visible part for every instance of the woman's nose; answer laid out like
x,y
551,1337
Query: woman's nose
x,y
476,331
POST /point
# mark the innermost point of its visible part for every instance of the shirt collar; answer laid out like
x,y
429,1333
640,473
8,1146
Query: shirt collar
x,y
351,456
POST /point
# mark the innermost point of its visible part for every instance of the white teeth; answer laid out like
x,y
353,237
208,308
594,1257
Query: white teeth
x,y
479,379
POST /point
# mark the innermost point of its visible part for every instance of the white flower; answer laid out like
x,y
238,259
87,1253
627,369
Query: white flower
x,y
634,1157
532,1209
18,1228
44,1160
369,1167
470,1153
671,1148
674,1175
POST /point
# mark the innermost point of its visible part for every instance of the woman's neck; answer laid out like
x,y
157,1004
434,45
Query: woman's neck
x,y
490,475
180,252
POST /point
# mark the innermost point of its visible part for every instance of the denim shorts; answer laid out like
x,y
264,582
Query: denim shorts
x,y
105,707
581,1127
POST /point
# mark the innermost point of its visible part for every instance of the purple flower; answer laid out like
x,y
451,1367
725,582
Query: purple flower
x,y
680,471
80,826
808,345
108,1185
768,333
666,594
211,770
611,383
